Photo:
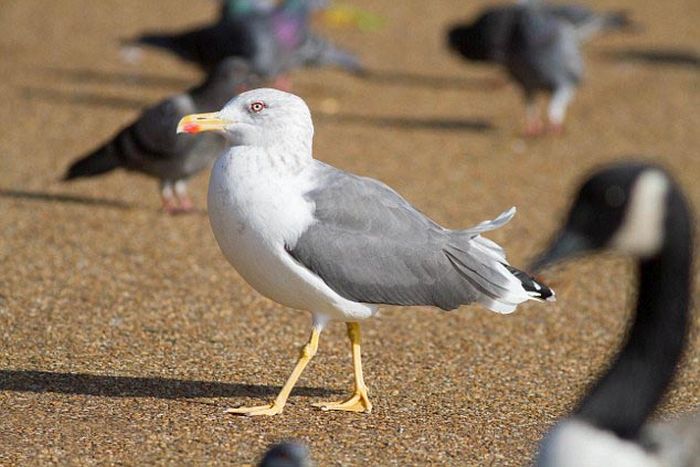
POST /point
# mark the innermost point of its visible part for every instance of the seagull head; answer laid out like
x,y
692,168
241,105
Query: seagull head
x,y
622,208
260,117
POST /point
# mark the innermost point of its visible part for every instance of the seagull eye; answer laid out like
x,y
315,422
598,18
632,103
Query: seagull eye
x,y
257,106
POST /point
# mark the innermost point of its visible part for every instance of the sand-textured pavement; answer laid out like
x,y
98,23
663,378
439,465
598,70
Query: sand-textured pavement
x,y
124,334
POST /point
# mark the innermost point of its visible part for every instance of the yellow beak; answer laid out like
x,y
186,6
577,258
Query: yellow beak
x,y
197,123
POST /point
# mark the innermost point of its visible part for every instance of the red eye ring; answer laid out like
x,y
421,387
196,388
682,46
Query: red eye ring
x,y
257,106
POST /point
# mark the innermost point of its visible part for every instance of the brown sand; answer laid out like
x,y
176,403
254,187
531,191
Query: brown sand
x,y
124,333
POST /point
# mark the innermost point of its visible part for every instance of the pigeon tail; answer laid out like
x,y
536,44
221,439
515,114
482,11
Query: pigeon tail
x,y
98,162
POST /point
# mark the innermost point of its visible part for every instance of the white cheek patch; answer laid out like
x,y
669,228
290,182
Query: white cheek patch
x,y
642,230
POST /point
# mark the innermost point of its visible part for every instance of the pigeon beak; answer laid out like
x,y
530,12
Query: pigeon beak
x,y
566,245
197,123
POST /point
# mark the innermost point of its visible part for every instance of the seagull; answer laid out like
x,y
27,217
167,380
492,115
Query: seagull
x,y
636,209
313,237
149,144
539,46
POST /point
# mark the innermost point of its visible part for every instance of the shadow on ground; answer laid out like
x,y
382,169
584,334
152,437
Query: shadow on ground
x,y
443,124
83,98
663,57
127,386
60,198
89,76
402,78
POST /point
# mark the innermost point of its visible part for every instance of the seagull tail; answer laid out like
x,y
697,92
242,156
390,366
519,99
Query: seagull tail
x,y
536,290
98,162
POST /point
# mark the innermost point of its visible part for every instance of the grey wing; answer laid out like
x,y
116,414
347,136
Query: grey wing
x,y
544,51
154,132
371,246
317,51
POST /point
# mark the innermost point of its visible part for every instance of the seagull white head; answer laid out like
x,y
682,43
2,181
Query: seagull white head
x,y
260,117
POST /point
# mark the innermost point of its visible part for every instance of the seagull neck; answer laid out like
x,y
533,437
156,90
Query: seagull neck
x,y
278,158
625,396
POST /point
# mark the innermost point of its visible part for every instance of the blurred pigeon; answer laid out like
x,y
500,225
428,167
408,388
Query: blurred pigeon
x,y
151,146
273,38
539,45
287,454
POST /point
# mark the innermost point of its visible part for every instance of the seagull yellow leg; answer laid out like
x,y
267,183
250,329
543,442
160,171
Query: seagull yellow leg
x,y
307,352
359,401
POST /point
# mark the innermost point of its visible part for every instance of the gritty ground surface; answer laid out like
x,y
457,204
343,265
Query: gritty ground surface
x,y
124,334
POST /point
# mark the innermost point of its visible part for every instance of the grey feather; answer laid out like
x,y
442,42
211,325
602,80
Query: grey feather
x,y
370,245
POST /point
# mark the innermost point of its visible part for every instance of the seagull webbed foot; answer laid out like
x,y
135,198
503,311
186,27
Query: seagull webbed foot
x,y
358,402
269,409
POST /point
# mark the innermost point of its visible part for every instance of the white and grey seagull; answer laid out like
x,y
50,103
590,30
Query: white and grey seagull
x,y
316,238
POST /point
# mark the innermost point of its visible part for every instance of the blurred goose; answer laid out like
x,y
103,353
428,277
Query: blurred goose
x,y
638,210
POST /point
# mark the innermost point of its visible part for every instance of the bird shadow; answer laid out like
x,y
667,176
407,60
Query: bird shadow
x,y
129,386
444,124
83,98
402,78
663,57
63,198
89,76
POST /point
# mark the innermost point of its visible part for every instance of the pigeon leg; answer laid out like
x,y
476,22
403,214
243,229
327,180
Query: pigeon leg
x,y
533,122
167,197
557,108
183,198
359,401
307,352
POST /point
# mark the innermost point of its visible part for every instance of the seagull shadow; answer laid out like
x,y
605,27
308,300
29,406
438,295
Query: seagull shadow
x,y
88,76
62,198
444,124
84,98
663,57
402,78
127,386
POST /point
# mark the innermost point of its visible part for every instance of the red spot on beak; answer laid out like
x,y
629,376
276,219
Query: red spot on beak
x,y
191,128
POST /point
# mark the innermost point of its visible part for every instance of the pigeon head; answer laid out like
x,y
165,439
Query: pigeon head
x,y
286,454
260,117
482,39
622,208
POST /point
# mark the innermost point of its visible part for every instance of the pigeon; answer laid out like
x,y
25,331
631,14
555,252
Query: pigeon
x,y
539,45
150,145
287,454
316,238
274,38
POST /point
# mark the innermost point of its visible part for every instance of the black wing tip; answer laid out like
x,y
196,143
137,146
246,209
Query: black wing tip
x,y
534,288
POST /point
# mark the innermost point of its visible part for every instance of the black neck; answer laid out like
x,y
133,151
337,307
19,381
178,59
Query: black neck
x,y
629,391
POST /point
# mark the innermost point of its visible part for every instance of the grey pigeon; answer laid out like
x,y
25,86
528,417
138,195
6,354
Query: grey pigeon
x,y
287,454
539,45
273,38
150,145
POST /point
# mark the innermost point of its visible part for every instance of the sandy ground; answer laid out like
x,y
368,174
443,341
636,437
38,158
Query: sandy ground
x,y
124,333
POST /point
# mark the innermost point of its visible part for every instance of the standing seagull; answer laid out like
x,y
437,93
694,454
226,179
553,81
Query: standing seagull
x,y
312,237
151,146
638,210
539,45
